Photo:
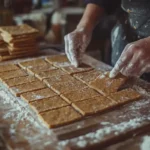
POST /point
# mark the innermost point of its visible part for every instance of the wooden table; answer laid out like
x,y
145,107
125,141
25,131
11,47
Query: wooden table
x,y
21,128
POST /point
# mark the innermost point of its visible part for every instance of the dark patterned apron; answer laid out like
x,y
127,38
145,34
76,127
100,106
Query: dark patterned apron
x,y
133,24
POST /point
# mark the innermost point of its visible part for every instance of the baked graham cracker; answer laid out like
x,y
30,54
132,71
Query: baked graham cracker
x,y
59,117
93,105
49,74
8,67
105,85
65,87
18,80
48,104
32,63
38,95
57,79
87,77
79,95
36,70
12,74
124,96
27,87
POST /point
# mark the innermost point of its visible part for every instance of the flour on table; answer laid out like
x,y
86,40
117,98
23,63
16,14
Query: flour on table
x,y
146,143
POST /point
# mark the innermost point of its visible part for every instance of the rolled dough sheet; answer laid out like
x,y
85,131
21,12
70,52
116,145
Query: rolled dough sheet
x,y
59,78
80,95
32,63
125,96
66,87
27,87
48,104
38,69
57,59
38,95
12,74
87,77
8,67
49,74
93,105
106,85
73,70
61,116
18,80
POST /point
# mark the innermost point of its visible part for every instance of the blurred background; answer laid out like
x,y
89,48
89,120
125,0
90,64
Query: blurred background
x,y
54,19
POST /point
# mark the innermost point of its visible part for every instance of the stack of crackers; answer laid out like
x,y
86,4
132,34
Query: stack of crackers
x,y
60,93
19,41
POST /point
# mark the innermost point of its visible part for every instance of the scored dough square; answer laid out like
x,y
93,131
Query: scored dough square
x,y
49,74
124,96
80,95
57,59
8,67
32,63
19,80
87,77
27,87
59,78
65,87
48,104
38,69
12,74
93,105
38,95
61,116
74,70
106,85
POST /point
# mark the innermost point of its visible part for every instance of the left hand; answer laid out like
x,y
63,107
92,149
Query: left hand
x,y
134,60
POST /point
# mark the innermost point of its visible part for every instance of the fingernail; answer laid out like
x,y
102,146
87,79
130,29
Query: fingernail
x,y
111,74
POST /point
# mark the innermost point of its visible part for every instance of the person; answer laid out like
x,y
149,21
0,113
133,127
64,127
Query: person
x,y
130,38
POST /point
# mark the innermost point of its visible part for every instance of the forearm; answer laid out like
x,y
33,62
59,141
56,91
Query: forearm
x,y
90,17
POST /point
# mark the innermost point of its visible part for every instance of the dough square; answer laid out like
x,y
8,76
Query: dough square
x,y
27,87
59,78
49,74
93,105
36,70
8,67
57,59
60,117
12,74
32,63
80,95
125,96
18,80
38,95
106,85
87,77
65,87
73,70
48,104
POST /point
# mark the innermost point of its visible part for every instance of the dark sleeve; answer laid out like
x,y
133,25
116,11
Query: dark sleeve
x,y
110,6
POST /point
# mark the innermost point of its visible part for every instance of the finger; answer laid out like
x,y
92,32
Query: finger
x,y
123,60
67,48
133,67
73,53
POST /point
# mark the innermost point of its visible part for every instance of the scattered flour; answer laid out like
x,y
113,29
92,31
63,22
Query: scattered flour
x,y
146,143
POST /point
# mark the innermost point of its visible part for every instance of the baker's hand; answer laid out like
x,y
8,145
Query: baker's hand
x,y
134,60
76,43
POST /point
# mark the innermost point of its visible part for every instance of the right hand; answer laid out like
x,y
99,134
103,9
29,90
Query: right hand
x,y
76,43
